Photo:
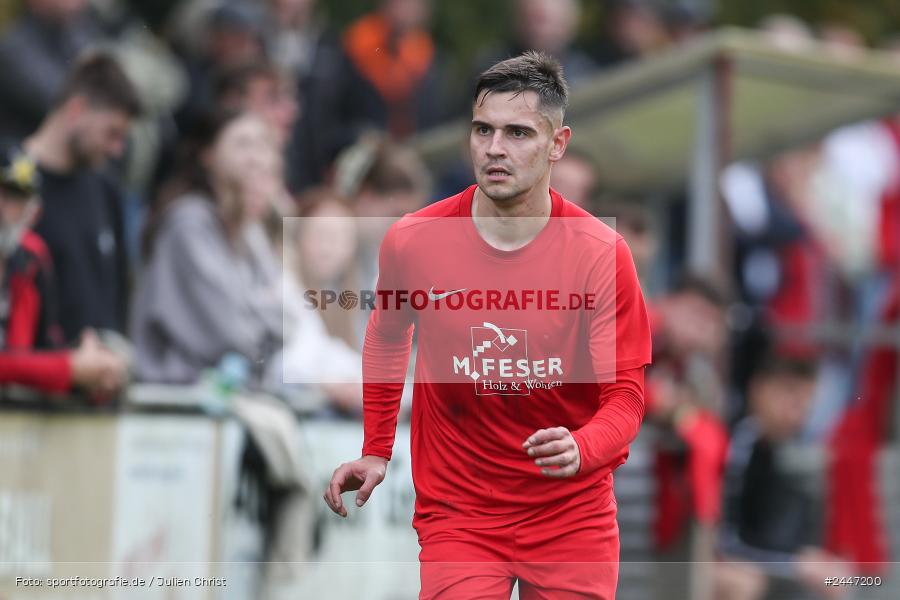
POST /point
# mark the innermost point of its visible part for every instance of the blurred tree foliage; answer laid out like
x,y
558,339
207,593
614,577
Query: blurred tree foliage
x,y
466,28
8,10
874,19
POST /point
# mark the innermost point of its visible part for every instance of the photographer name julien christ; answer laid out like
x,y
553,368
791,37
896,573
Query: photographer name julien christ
x,y
193,582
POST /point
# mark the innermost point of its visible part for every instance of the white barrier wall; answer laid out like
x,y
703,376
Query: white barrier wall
x,y
106,496
373,553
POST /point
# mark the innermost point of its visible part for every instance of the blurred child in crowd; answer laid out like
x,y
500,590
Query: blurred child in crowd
x,y
31,339
772,522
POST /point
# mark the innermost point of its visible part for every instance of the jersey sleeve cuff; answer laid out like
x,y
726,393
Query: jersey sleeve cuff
x,y
376,451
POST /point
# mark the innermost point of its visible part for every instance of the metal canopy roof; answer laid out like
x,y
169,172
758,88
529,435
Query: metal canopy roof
x,y
639,121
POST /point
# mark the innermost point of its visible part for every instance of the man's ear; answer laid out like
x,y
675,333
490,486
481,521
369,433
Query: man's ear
x,y
560,141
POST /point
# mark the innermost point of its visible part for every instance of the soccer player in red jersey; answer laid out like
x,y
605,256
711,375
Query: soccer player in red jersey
x,y
524,402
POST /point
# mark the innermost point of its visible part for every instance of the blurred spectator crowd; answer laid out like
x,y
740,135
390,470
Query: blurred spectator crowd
x,y
151,150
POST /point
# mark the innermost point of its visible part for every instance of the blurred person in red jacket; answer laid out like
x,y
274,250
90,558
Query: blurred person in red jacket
x,y
684,397
32,353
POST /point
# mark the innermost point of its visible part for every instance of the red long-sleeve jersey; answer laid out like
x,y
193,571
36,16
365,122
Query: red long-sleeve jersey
x,y
552,334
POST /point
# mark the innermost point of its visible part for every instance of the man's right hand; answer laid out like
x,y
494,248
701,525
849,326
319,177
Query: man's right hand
x,y
95,367
362,474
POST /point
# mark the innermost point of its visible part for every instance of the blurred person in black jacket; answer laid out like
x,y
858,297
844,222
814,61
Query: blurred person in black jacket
x,y
772,527
81,221
310,53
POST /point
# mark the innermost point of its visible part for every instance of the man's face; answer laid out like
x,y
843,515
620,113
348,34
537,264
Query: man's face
x,y
781,404
694,324
99,135
13,208
16,213
512,144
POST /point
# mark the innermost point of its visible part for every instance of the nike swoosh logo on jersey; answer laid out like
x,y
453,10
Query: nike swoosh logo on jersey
x,y
433,296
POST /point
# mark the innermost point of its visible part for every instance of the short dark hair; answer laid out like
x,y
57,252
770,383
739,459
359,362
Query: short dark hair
x,y
780,365
697,285
532,71
99,77
396,169
236,79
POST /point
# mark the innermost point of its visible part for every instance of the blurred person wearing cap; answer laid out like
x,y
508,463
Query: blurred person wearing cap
x,y
232,35
81,222
31,344
35,54
220,46
383,180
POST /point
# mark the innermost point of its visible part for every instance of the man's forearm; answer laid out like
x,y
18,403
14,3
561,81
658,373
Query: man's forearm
x,y
616,422
385,360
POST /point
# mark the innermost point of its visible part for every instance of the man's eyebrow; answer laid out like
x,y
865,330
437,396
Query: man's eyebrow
x,y
476,123
523,127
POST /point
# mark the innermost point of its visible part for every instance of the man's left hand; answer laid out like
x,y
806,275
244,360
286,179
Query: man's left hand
x,y
554,447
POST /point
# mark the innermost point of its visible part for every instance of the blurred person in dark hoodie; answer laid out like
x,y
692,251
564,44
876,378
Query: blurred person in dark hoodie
x,y
36,53
32,353
82,222
304,48
772,532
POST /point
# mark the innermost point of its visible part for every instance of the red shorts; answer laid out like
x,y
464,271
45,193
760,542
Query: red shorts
x,y
567,551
